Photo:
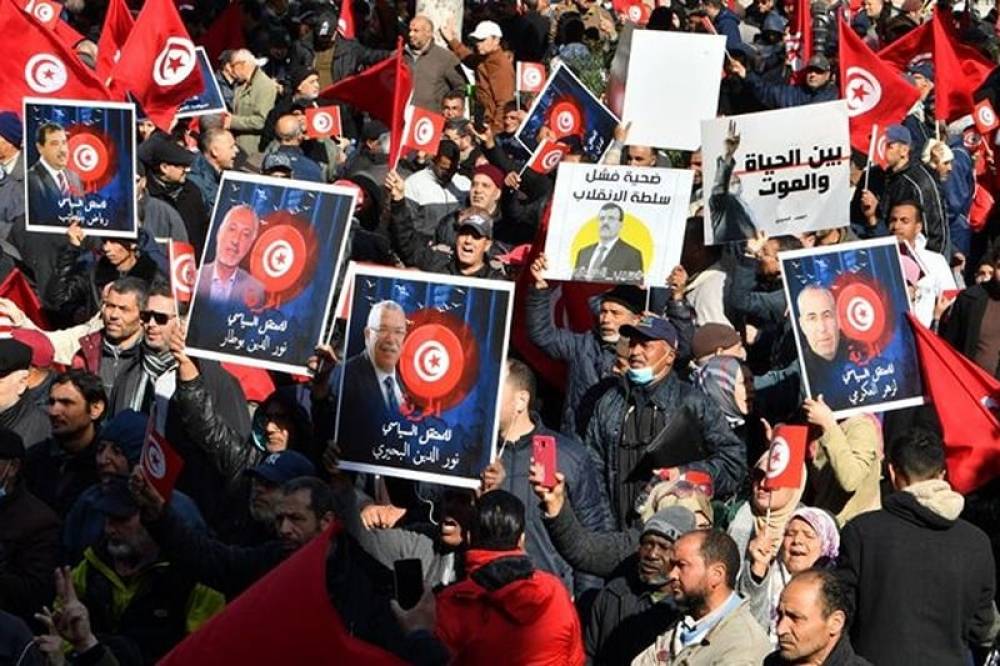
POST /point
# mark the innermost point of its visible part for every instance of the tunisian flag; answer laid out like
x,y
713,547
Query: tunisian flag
x,y
38,64
345,22
284,618
786,456
382,90
798,44
226,32
15,287
875,93
967,401
117,26
158,63
958,68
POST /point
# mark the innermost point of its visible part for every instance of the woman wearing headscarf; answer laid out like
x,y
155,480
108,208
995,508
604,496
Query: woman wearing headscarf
x,y
729,383
810,539
753,518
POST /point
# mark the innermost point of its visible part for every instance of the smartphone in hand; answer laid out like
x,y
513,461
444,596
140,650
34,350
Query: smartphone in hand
x,y
543,451
408,576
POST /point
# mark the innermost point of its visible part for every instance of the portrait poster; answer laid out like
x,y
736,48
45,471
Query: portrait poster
x,y
419,389
210,100
784,182
85,170
567,108
848,306
666,105
617,224
267,274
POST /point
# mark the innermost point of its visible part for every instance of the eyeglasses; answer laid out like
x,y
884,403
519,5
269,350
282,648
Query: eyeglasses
x,y
161,318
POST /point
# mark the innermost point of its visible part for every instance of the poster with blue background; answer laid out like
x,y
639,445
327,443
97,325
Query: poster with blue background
x,y
419,389
568,108
848,309
79,162
266,278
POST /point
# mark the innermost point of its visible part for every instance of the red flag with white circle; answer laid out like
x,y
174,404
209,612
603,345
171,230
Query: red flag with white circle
x,y
47,13
786,457
547,156
183,270
424,131
565,118
278,258
530,76
90,158
161,464
323,122
861,312
985,117
432,362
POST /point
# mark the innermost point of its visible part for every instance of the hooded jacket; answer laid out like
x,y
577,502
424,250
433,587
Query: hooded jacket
x,y
508,608
923,579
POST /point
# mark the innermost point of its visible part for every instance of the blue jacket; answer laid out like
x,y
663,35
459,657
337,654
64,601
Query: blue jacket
x,y
206,179
725,463
784,95
303,168
958,192
728,24
583,487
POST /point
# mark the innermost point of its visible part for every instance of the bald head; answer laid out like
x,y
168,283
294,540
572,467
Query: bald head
x,y
421,32
289,130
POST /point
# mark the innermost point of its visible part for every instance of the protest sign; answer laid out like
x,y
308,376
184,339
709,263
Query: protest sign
x,y
848,306
567,108
420,389
617,223
210,99
782,182
265,284
85,169
665,105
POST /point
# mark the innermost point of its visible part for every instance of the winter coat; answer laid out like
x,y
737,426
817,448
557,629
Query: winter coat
x,y
251,103
725,461
845,470
625,619
17,643
959,189
962,327
507,610
728,24
783,95
105,363
583,487
923,579
915,183
28,420
206,179
436,72
58,478
153,609
494,80
597,553
187,200
29,544
12,196
76,291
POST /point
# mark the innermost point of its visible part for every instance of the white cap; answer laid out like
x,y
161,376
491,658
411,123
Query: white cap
x,y
486,29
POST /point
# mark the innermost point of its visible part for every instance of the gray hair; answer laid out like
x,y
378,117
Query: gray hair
x,y
375,314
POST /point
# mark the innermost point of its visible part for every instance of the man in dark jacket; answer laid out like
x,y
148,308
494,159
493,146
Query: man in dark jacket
x,y
813,616
908,179
636,606
519,424
973,327
109,351
18,410
726,23
29,536
921,578
468,255
60,468
166,165
816,88
629,416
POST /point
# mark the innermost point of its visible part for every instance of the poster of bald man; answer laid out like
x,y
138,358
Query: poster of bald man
x,y
419,389
80,167
267,274
848,306
617,224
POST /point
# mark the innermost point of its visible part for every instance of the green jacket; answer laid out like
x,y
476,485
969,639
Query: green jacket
x,y
252,101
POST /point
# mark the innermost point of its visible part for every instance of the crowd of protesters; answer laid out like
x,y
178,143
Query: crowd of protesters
x,y
873,559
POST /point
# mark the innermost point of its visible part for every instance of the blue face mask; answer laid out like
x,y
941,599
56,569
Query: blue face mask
x,y
640,376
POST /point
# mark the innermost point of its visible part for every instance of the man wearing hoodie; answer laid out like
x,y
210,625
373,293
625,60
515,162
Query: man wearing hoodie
x,y
506,607
922,579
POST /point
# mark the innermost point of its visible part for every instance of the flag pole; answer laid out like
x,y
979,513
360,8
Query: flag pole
x,y
397,150
871,152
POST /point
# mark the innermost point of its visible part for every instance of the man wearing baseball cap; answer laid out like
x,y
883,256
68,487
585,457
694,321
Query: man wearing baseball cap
x,y
493,65
907,179
817,86
629,416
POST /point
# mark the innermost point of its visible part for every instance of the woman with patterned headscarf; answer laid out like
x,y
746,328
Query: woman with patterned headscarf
x,y
810,539
729,383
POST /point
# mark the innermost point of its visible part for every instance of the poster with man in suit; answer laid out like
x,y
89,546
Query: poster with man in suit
x,y
419,391
265,286
616,224
80,167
